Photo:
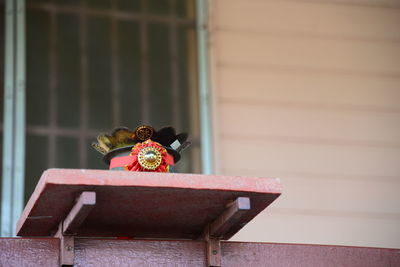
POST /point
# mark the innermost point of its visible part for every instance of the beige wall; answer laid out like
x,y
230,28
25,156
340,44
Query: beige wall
x,y
309,91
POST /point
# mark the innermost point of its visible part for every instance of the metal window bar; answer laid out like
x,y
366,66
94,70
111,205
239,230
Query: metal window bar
x,y
116,116
144,65
113,13
84,85
53,81
176,110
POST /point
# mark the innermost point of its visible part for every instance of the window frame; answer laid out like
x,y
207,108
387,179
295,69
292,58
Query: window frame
x,y
14,123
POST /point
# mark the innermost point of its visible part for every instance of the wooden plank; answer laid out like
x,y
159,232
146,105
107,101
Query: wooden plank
x,y
311,124
70,226
84,204
213,252
291,155
139,253
291,88
346,196
332,193
44,252
255,50
140,204
327,175
253,254
67,250
307,226
314,18
29,252
213,248
224,224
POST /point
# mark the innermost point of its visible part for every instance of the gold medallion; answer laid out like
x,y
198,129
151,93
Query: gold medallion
x,y
149,158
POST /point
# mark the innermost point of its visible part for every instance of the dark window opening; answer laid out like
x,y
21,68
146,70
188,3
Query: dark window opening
x,y
95,65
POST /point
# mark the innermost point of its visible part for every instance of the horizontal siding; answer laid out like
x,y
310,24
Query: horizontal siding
x,y
293,226
310,124
247,154
309,91
375,198
367,198
253,50
293,87
315,18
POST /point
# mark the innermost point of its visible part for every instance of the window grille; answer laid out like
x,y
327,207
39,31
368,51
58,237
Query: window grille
x,y
93,65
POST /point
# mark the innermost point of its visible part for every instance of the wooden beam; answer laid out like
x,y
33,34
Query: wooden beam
x,y
79,212
69,227
213,249
229,217
67,250
214,232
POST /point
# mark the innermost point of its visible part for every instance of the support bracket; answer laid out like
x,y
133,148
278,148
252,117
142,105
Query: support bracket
x,y
215,231
69,227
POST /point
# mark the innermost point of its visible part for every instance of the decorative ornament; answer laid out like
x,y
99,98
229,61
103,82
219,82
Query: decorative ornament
x,y
149,156
143,149
144,132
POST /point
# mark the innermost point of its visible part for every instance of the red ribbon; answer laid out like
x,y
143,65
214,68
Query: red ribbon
x,y
128,160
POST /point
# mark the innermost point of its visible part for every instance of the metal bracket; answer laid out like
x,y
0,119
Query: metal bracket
x,y
69,227
215,231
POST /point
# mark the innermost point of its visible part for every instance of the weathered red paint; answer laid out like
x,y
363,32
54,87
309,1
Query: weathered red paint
x,y
103,252
139,253
237,254
151,205
16,252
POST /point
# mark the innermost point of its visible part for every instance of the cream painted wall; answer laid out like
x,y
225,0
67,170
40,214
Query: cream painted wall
x,y
309,91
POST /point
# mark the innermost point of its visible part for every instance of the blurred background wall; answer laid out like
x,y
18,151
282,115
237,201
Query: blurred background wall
x,y
309,91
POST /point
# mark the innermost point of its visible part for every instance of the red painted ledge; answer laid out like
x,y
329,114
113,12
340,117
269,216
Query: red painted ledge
x,y
139,204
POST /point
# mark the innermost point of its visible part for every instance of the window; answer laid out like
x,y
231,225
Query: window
x,y
94,65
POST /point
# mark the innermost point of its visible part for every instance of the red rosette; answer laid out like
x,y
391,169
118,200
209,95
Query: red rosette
x,y
148,156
